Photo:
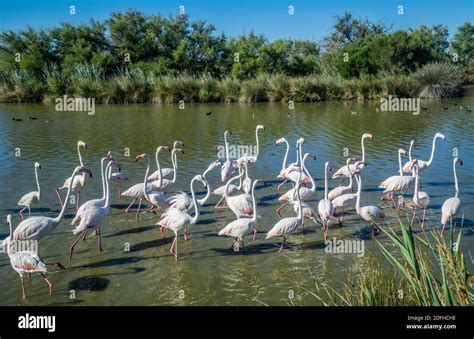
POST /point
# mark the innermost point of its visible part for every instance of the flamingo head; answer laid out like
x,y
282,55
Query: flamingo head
x,y
227,132
177,150
9,219
300,141
215,164
367,136
260,127
109,156
458,160
81,143
309,155
349,160
175,144
37,165
83,169
439,135
328,165
280,141
200,178
161,148
142,156
282,174
117,165
401,151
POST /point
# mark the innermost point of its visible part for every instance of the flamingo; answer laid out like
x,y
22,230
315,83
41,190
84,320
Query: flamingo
x,y
325,207
396,183
368,213
175,219
254,158
167,172
420,199
165,185
94,215
32,198
247,182
79,181
305,193
184,202
291,172
240,204
452,205
340,190
116,177
226,169
231,189
343,172
35,228
136,191
407,168
288,225
27,262
344,200
240,227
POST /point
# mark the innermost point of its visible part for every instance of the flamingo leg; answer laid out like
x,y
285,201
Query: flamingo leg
x,y
50,286
78,198
186,238
137,215
59,197
23,294
174,247
302,226
254,234
341,219
99,240
423,220
281,185
279,208
413,217
163,232
218,203
129,206
29,211
21,213
282,245
71,250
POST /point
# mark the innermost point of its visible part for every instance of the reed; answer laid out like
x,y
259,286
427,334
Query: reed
x,y
438,80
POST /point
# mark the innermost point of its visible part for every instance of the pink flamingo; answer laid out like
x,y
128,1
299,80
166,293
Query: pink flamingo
x,y
32,198
343,172
226,169
240,204
231,189
290,172
252,159
79,182
240,227
340,190
368,213
165,185
325,207
420,199
452,205
166,172
408,167
175,219
396,183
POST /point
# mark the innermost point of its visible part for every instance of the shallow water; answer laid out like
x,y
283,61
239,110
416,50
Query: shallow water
x,y
208,272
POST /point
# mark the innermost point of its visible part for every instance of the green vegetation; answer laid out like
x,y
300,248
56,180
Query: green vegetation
x,y
136,58
426,271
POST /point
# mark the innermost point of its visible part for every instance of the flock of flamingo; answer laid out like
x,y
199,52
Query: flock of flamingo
x,y
179,211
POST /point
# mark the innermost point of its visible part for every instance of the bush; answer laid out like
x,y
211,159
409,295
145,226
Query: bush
x,y
438,80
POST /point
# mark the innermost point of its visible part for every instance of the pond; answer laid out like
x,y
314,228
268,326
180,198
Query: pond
x,y
209,272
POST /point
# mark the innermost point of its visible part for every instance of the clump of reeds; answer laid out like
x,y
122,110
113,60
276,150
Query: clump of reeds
x,y
438,80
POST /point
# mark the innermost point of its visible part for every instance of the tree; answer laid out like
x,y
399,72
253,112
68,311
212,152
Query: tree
x,y
463,44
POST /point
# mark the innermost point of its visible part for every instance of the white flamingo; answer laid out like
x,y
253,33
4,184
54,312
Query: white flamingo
x,y
231,189
420,199
136,191
369,213
407,168
35,228
344,201
396,183
26,262
305,193
291,172
452,206
343,172
226,169
166,171
240,204
32,198
253,158
243,226
175,219
94,215
325,207
340,190
165,185
286,226
78,182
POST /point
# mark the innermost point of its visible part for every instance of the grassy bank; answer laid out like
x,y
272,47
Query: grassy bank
x,y
139,86
426,269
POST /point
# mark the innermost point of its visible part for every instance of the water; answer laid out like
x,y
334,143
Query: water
x,y
208,272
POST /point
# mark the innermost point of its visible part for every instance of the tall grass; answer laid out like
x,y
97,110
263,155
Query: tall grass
x,y
429,271
438,80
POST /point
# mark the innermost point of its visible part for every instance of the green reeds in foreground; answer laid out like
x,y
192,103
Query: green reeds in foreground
x,y
427,271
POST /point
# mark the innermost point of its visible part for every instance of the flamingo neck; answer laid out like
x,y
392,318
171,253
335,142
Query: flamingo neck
x,y
359,190
433,147
285,159
350,175
415,196
203,200
108,172
226,147
175,168
80,160
363,149
226,190
303,168
60,217
325,182
298,154
254,202
456,185
196,207
258,143
400,167
298,199
102,172
37,182
160,179
409,152
145,186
